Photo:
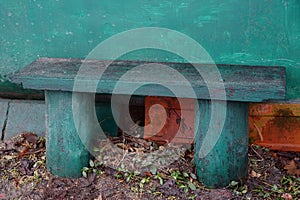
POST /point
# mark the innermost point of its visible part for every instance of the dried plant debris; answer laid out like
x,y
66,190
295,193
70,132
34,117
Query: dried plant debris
x,y
137,154
23,173
134,168
272,175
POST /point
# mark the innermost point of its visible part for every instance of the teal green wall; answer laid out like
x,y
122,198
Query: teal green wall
x,y
255,32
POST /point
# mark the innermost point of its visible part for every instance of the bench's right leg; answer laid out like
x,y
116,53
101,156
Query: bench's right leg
x,y
222,157
66,154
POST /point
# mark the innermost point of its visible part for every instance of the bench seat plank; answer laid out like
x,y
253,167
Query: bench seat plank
x,y
242,83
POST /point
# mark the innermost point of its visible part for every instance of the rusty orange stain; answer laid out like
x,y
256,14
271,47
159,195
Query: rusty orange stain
x,y
272,125
271,109
179,125
275,125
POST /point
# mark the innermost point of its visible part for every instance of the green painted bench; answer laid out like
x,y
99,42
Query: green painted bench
x,y
226,160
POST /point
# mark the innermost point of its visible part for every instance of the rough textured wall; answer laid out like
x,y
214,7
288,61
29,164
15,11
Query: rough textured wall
x,y
256,32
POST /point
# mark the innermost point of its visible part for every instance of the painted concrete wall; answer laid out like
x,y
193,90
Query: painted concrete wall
x,y
255,32
18,116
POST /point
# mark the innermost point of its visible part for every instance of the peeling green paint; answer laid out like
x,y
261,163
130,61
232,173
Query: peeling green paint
x,y
228,159
66,155
253,32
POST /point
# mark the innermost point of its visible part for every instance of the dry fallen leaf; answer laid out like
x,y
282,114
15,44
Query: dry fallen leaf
x,y
99,198
8,157
287,196
255,174
2,196
292,168
148,174
30,137
24,152
122,146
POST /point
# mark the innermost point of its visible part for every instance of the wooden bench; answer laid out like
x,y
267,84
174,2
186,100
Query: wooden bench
x,y
226,161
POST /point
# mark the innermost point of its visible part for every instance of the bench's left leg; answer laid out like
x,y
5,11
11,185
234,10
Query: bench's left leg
x,y
227,160
66,154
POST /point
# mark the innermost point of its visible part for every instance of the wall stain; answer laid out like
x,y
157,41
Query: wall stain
x,y
285,120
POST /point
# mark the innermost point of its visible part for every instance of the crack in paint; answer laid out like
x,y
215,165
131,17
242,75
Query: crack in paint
x,y
5,121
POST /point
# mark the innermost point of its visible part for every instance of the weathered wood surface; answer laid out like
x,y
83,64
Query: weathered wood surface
x,y
242,83
228,157
66,154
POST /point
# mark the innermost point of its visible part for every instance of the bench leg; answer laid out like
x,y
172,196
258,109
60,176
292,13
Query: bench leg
x,y
66,155
228,159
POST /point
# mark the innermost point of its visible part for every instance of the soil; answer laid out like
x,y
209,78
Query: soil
x,y
23,173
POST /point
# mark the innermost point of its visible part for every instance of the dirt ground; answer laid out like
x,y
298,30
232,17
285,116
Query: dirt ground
x,y
23,174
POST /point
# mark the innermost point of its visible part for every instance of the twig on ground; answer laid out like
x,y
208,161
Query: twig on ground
x,y
261,158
